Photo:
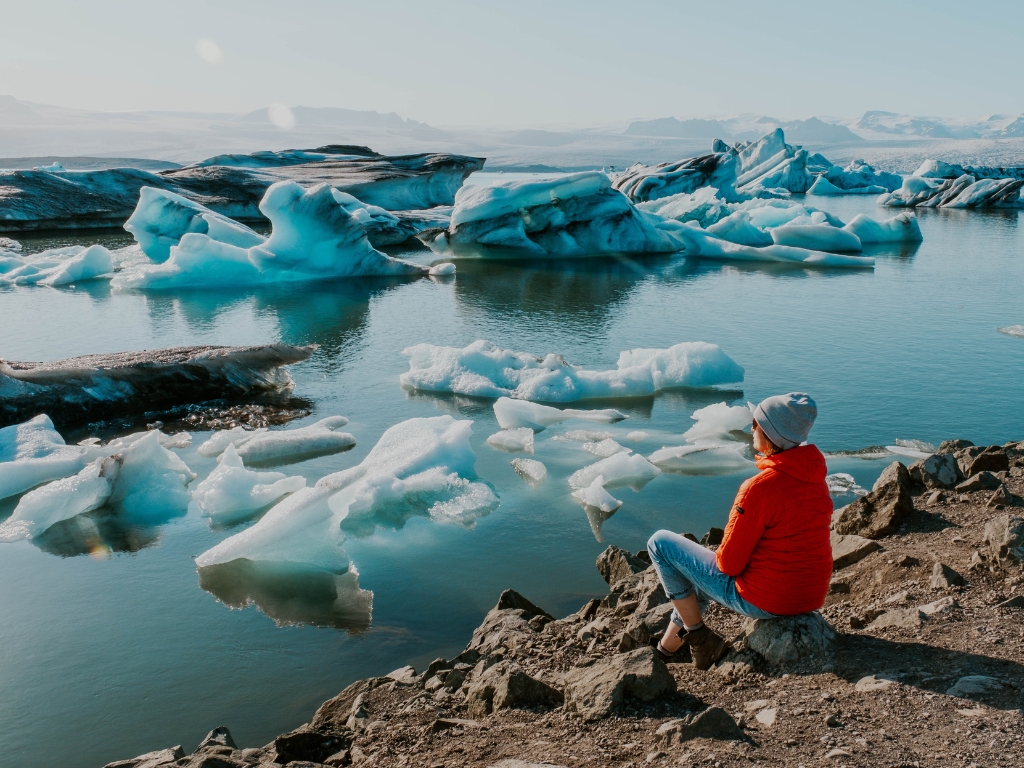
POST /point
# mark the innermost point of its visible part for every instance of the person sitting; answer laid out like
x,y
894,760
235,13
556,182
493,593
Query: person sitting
x,y
775,558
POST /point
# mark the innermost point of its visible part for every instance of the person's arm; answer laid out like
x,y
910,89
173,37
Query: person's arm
x,y
745,528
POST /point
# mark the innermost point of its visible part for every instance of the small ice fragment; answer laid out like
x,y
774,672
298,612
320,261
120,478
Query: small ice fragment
x,y
594,495
841,484
512,440
605,448
287,446
717,420
1013,330
438,270
221,439
231,492
522,413
91,263
912,449
33,453
152,481
617,470
702,459
637,436
531,470
582,436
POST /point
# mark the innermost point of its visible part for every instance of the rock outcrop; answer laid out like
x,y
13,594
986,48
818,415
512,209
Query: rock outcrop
x,y
880,512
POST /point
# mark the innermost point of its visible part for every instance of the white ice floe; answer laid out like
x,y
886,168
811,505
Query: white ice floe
x,y
522,413
231,492
514,439
702,458
637,436
707,246
283,446
705,207
531,470
604,448
1013,330
912,449
620,469
420,467
899,229
484,369
575,215
717,420
33,453
313,238
595,495
152,482
441,270
816,237
57,266
842,484
738,228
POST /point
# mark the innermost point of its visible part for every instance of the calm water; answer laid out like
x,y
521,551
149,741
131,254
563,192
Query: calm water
x,y
127,654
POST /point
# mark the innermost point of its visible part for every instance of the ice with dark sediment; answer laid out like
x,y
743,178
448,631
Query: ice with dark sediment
x,y
643,183
231,492
575,215
843,484
484,369
937,184
56,266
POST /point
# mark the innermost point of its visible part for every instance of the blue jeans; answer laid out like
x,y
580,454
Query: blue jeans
x,y
685,567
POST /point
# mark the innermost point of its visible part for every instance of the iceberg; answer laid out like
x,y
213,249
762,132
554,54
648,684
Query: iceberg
x,y
284,446
313,238
514,439
705,207
531,470
522,413
583,436
620,469
231,492
856,178
595,495
937,169
576,215
707,246
221,439
484,369
842,484
965,191
771,163
84,389
642,183
34,453
419,467
816,237
718,421
57,266
899,229
739,228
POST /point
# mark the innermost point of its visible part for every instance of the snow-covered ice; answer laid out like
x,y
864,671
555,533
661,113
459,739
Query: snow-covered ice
x,y
419,467
620,469
231,492
856,178
57,266
531,470
1013,330
705,206
512,440
33,453
313,238
574,215
595,495
522,413
484,369
282,446
899,229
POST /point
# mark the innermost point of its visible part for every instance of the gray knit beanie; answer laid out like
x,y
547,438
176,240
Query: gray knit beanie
x,y
786,419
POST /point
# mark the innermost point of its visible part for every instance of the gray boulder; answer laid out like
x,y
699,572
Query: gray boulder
x,y
594,692
1001,498
615,564
1004,539
712,723
937,471
982,481
788,641
507,625
506,686
944,577
992,459
881,512
847,550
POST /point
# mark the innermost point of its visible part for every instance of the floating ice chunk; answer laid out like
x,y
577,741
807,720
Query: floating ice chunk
x,y
313,238
637,436
418,467
842,484
231,492
484,369
61,500
93,262
738,228
965,191
152,481
33,453
582,436
718,420
1013,330
522,413
515,439
119,444
617,470
912,449
58,266
818,237
710,247
705,207
899,229
287,446
702,459
439,270
531,470
605,448
162,218
236,436
594,495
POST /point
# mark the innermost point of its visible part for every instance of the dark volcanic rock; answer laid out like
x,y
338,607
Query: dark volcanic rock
x,y
880,512
311,744
218,737
712,723
614,564
506,686
594,692
512,600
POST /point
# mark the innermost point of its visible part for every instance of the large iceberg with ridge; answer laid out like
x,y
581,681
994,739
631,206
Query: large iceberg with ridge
x,y
575,215
964,191
484,369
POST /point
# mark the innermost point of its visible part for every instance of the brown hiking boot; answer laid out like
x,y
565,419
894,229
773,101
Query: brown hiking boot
x,y
706,645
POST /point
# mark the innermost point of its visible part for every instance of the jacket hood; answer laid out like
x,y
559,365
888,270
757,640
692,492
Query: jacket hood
x,y
805,462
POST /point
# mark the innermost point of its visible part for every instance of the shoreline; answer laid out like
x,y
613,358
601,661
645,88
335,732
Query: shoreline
x,y
916,657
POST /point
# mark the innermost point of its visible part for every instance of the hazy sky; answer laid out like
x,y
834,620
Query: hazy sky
x,y
452,63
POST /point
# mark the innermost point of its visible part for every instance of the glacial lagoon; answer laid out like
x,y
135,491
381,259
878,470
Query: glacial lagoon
x,y
112,636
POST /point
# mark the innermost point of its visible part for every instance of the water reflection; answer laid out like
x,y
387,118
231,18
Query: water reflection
x,y
97,534
292,593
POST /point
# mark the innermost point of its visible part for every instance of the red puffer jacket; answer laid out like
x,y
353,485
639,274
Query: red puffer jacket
x,y
777,541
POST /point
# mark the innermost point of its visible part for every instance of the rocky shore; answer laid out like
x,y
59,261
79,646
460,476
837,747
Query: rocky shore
x,y
916,659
